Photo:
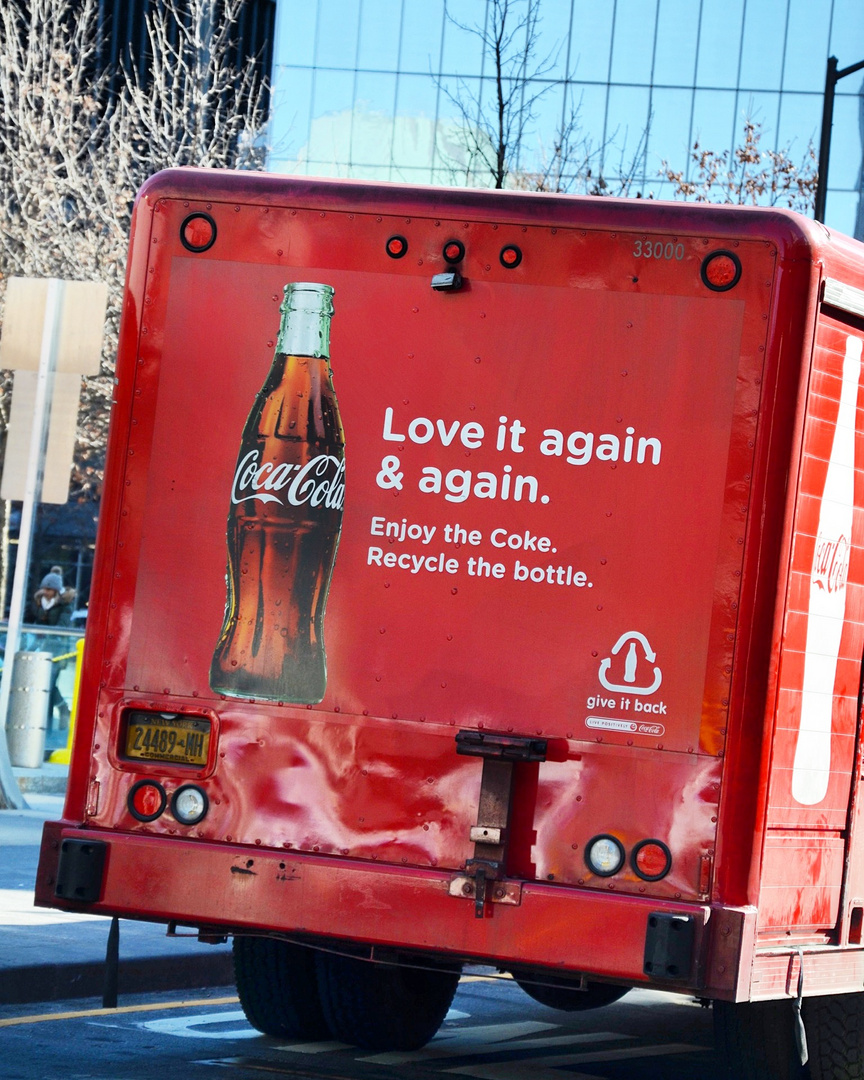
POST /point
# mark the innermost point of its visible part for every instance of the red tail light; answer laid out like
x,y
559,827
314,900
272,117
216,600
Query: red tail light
x,y
146,800
721,270
651,860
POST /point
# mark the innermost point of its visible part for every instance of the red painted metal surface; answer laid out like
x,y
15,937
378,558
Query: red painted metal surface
x,y
582,503
222,885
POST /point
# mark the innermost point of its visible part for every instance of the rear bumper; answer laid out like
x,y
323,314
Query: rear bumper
x,y
211,885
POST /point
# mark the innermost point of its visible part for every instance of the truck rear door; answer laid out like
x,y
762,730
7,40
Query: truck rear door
x,y
547,465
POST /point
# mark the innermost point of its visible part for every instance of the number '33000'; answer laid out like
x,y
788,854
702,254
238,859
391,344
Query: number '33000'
x,y
658,249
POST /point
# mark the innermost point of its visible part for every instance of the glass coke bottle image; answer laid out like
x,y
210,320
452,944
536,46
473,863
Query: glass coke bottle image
x,y
285,516
811,768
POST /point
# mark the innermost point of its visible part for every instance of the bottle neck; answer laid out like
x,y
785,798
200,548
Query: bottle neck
x,y
305,325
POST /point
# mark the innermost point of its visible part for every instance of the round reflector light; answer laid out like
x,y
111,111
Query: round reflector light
x,y
651,860
198,232
189,804
397,246
454,251
604,855
510,256
146,800
721,270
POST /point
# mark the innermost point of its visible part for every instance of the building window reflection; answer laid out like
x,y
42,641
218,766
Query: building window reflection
x,y
361,87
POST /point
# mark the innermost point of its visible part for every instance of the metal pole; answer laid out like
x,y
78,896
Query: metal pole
x,y
10,795
832,77
112,966
825,138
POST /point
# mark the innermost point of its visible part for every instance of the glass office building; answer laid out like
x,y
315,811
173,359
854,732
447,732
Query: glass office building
x,y
372,88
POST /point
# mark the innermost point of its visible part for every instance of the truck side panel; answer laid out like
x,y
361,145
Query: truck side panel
x,y
823,641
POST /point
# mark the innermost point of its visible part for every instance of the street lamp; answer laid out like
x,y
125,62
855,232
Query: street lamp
x,y
832,77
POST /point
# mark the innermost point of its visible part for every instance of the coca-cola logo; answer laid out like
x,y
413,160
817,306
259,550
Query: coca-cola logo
x,y
320,482
831,563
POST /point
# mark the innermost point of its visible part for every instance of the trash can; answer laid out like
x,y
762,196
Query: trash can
x,y
29,702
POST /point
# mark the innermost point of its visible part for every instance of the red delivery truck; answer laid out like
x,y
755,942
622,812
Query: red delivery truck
x,y
480,578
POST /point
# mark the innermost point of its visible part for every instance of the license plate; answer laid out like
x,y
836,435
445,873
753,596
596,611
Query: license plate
x,y
182,740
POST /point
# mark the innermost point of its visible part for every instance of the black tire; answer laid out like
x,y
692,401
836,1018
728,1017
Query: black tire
x,y
382,1006
835,1036
756,1040
557,993
278,989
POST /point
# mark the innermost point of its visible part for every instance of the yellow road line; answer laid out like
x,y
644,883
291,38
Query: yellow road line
x,y
84,1013
157,1006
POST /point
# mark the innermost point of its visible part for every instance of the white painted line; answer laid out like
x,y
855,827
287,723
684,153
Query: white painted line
x,y
313,1047
471,1040
555,1061
624,1055
193,1027
521,1070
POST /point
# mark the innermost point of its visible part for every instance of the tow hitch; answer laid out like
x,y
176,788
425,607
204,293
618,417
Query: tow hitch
x,y
483,880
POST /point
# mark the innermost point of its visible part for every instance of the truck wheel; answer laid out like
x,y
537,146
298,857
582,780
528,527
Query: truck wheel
x,y
561,995
381,1006
756,1040
277,987
835,1036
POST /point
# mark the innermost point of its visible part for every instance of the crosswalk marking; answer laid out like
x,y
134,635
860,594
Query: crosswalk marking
x,y
521,1050
448,1043
547,1068
313,1047
521,1070
253,1064
492,1038
540,1068
598,1056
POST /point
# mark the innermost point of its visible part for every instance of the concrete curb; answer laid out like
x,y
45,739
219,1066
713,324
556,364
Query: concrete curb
x,y
60,982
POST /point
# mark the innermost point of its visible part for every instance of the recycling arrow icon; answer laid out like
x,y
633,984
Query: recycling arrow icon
x,y
631,665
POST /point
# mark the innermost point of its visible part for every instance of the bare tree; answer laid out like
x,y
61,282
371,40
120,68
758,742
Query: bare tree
x,y
575,165
194,107
498,113
495,126
76,143
749,175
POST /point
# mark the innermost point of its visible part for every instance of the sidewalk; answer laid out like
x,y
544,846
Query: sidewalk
x,y
48,955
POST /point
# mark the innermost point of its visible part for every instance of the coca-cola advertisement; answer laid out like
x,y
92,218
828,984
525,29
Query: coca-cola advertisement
x,y
285,516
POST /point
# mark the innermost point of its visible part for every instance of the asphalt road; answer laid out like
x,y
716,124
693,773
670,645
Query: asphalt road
x,y
493,1032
